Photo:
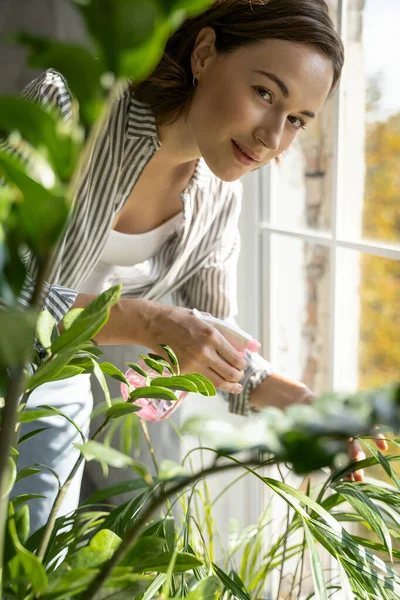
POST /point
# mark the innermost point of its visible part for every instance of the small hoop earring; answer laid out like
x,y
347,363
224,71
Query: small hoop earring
x,y
195,81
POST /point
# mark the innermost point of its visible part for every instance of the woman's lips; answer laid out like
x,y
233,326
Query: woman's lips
x,y
242,155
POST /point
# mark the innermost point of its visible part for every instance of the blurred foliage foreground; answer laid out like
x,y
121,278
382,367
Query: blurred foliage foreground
x,y
138,549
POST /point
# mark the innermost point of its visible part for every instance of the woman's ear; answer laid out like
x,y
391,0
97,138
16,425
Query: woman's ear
x,y
203,51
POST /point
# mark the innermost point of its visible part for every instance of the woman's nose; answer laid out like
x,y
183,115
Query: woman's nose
x,y
270,134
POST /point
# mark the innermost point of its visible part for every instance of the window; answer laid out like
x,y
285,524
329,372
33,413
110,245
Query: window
x,y
329,222
326,257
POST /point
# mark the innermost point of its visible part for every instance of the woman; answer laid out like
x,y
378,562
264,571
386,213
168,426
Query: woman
x,y
159,200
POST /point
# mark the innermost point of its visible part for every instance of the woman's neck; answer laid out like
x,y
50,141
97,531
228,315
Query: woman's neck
x,y
178,146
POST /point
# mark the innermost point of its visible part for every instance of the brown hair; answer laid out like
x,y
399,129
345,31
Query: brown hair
x,y
169,89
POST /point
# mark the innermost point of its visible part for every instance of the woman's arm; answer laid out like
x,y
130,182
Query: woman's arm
x,y
200,348
279,391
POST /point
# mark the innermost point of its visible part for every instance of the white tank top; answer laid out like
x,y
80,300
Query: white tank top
x,y
124,250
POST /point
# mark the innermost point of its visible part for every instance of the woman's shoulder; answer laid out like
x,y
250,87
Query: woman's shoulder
x,y
51,90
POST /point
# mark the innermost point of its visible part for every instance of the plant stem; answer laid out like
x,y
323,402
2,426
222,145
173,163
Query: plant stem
x,y
133,533
61,495
8,432
152,454
285,540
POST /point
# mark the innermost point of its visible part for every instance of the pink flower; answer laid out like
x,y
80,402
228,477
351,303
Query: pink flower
x,y
152,408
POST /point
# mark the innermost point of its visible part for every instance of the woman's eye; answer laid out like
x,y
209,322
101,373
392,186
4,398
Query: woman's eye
x,y
265,94
297,123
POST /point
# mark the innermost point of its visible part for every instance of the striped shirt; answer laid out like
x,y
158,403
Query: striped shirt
x,y
197,266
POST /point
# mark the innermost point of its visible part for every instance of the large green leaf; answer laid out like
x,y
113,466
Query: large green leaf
x,y
317,571
41,129
17,329
30,563
369,510
9,475
116,489
207,589
149,554
101,548
113,372
84,82
42,214
44,410
49,370
70,317
22,498
177,382
229,584
139,62
119,25
162,393
44,328
96,451
121,409
89,322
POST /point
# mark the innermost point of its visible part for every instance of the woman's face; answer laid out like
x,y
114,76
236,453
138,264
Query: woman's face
x,y
249,105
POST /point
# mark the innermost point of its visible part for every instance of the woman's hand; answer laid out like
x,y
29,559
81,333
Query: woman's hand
x,y
355,452
200,348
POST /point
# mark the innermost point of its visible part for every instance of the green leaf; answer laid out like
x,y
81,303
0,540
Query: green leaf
x,y
385,464
120,26
116,489
102,381
10,476
169,531
66,373
22,498
39,127
178,382
27,472
41,214
139,370
63,583
113,372
44,328
22,523
171,355
120,410
70,317
200,379
44,410
49,369
369,510
30,563
148,554
96,451
201,387
317,571
161,393
169,469
89,322
17,331
137,64
162,362
230,584
101,548
83,82
153,364
155,586
207,589
27,416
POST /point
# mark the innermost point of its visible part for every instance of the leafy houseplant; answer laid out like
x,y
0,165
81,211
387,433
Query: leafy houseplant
x,y
128,551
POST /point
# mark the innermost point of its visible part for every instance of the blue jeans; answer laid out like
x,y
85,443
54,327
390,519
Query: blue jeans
x,y
54,448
